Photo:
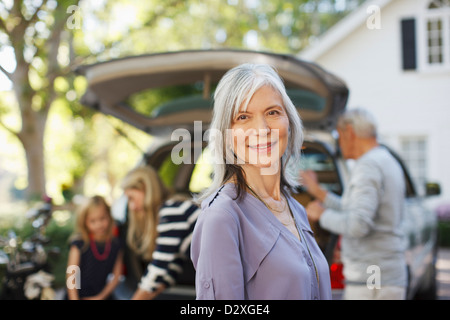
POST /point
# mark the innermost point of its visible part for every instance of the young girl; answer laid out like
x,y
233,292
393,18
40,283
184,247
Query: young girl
x,y
96,251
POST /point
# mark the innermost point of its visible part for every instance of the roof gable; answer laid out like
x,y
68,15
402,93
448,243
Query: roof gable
x,y
341,30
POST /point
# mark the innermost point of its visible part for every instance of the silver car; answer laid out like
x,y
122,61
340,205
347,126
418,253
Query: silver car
x,y
168,95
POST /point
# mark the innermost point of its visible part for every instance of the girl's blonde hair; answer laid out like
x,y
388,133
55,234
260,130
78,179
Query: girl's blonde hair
x,y
142,233
81,231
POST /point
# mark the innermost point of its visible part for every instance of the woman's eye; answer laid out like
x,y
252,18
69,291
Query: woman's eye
x,y
273,112
242,117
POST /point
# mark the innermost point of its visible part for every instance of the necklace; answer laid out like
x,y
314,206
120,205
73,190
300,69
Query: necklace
x,y
105,253
266,204
300,233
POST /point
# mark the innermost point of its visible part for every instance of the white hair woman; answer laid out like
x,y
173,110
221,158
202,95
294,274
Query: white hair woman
x,y
252,239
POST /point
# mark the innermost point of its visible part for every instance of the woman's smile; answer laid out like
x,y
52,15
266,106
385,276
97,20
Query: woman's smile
x,y
263,147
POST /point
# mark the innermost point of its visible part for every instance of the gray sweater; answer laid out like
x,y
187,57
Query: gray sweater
x,y
369,217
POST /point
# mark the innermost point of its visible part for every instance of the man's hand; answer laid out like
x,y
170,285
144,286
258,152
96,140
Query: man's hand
x,y
314,210
310,181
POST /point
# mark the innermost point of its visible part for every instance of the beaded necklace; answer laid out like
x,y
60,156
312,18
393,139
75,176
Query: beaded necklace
x,y
105,254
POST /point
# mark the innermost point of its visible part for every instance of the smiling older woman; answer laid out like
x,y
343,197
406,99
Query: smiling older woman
x,y
252,239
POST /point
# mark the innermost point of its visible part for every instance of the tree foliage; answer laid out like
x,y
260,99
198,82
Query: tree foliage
x,y
35,31
49,38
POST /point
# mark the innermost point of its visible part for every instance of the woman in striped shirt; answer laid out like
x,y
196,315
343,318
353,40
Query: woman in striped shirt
x,y
159,230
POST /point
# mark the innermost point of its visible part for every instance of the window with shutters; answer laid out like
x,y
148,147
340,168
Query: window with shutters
x,y
409,44
437,34
414,153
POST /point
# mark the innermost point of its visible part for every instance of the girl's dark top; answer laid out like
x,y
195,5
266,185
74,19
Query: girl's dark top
x,y
94,272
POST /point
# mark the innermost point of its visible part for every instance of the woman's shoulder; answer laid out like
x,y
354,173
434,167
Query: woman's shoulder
x,y
221,207
221,198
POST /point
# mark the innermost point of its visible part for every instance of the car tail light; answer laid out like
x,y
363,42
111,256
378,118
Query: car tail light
x,y
336,276
336,268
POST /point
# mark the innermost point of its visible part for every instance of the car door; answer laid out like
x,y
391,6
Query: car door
x,y
420,229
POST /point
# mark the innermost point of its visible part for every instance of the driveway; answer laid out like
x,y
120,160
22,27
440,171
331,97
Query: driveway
x,y
443,274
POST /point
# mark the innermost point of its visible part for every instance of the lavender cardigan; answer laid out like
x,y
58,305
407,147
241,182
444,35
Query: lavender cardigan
x,y
240,250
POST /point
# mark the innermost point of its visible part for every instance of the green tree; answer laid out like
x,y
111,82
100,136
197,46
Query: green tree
x,y
273,25
35,30
50,38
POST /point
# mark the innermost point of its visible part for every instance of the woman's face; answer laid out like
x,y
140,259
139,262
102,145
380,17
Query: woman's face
x,y
260,133
135,200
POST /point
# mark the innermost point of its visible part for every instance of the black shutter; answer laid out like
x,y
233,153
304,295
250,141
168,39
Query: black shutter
x,y
409,44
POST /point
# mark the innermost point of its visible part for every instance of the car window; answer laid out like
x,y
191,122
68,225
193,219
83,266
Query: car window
x,y
317,158
168,171
410,187
324,166
187,177
202,174
146,102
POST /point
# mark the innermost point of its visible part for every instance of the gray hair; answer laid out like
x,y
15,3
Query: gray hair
x,y
234,90
361,120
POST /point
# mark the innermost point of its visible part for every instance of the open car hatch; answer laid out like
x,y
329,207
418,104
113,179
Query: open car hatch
x,y
318,95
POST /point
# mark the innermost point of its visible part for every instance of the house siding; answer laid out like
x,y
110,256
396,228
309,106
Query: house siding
x,y
407,103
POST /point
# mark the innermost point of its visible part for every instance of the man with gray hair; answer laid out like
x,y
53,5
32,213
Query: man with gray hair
x,y
369,214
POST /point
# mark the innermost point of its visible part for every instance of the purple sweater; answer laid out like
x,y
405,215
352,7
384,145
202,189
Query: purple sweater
x,y
240,250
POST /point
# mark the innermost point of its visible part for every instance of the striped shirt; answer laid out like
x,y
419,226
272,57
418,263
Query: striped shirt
x,y
176,224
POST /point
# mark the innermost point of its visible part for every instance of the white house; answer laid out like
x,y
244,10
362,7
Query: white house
x,y
395,57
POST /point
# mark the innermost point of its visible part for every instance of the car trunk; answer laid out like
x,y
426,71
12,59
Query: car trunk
x,y
318,95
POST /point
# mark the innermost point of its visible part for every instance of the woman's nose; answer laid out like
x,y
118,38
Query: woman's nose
x,y
261,127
